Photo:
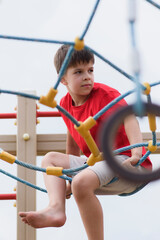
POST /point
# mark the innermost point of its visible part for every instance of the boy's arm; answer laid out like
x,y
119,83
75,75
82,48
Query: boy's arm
x,y
134,135
71,146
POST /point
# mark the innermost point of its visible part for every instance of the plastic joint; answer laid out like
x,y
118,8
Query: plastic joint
x,y
152,122
92,159
48,100
148,88
86,126
56,171
83,130
79,44
7,157
151,147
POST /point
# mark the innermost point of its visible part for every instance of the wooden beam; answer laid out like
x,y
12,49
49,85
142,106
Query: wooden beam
x,y
8,143
26,152
45,143
52,142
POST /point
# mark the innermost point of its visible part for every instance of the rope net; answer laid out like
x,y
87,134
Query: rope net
x,y
84,128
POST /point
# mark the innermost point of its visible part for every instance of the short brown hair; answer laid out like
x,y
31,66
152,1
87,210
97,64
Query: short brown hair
x,y
83,56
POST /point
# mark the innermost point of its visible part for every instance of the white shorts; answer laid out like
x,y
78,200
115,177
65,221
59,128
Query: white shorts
x,y
105,175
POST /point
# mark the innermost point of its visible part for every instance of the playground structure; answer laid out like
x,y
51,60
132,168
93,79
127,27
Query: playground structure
x,y
29,145
84,128
27,149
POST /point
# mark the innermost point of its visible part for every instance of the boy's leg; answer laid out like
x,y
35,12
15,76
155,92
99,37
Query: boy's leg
x,y
83,187
54,214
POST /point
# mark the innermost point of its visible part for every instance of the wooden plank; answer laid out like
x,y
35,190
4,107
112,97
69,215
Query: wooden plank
x,y
8,143
52,142
26,152
45,143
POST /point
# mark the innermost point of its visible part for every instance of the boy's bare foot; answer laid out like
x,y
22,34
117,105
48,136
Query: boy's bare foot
x,y
48,217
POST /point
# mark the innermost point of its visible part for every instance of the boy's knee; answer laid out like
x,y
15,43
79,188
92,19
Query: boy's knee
x,y
48,159
79,187
85,184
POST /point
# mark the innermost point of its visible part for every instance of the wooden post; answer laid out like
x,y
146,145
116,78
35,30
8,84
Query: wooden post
x,y
26,152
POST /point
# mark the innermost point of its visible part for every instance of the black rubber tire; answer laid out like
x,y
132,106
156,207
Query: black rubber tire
x,y
107,136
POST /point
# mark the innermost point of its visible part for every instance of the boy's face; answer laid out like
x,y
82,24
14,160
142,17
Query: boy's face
x,y
79,81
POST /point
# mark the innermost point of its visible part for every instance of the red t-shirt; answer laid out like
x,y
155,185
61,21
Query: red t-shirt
x,y
100,96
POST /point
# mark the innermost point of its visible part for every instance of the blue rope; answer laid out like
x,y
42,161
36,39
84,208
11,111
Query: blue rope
x,y
135,146
155,84
67,114
132,31
112,103
138,105
119,150
154,4
71,49
64,66
149,98
35,40
38,98
23,181
90,19
143,158
154,138
111,64
139,163
33,167
20,94
30,166
73,170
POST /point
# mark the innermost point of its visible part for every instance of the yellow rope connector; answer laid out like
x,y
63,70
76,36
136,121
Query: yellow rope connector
x,y
92,159
7,157
151,147
148,88
48,100
79,44
56,171
83,130
152,122
85,126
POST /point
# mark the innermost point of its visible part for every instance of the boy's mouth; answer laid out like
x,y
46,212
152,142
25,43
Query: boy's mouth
x,y
86,85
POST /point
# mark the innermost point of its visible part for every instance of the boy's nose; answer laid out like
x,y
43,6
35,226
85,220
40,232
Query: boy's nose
x,y
86,75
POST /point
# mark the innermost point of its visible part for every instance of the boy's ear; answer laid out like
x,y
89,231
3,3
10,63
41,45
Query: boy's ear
x,y
63,81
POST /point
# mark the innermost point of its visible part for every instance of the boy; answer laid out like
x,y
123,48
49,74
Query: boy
x,y
85,98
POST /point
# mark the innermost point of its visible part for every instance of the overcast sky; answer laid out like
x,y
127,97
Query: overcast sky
x,y
29,66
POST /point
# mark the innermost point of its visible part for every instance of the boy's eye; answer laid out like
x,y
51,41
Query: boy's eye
x,y
78,72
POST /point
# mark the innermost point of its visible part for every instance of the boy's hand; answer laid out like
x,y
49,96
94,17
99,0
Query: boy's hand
x,y
68,191
130,162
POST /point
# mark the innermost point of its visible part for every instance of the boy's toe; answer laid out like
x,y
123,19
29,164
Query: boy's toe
x,y
22,214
